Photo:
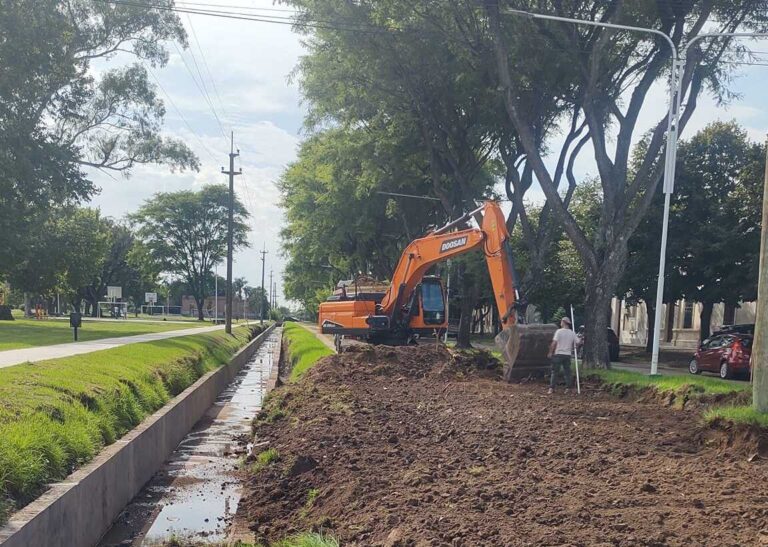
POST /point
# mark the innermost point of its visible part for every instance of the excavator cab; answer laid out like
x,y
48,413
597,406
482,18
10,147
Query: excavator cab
x,y
426,310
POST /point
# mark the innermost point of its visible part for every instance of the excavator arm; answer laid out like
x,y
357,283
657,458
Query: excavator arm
x,y
421,254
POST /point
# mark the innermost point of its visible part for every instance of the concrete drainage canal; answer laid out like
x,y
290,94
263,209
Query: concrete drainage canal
x,y
196,493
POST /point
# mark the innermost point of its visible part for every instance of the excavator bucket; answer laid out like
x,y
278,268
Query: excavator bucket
x,y
525,349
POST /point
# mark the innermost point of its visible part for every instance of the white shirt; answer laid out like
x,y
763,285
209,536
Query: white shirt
x,y
566,340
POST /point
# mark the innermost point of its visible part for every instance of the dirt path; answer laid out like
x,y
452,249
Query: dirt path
x,y
407,446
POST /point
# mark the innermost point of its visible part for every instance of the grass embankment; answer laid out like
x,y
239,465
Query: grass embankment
x,y
27,333
304,349
668,383
738,415
696,386
56,415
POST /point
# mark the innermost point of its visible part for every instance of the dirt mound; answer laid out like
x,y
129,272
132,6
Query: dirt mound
x,y
422,446
404,361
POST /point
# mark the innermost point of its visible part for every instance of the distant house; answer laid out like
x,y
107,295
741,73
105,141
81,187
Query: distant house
x,y
680,323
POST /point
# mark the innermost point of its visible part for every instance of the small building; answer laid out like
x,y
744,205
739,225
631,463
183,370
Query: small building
x,y
680,322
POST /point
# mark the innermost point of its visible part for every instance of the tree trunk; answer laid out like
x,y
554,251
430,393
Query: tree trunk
x,y
467,305
650,315
199,302
670,321
705,320
600,288
27,305
729,314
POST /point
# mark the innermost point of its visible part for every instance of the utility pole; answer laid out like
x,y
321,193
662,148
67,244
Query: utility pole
x,y
271,294
274,295
230,229
263,292
760,344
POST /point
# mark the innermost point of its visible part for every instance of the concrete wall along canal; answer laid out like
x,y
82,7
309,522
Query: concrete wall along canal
x,y
79,510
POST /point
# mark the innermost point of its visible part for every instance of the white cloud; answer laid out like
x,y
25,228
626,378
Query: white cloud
x,y
250,63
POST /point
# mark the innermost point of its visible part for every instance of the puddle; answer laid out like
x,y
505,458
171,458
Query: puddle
x,y
195,494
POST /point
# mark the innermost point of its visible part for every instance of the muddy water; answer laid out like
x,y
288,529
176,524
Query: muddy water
x,y
196,493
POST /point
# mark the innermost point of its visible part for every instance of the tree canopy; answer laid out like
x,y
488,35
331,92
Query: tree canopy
x,y
60,117
186,233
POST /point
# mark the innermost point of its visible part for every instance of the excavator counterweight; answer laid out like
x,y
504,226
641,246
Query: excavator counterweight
x,y
414,304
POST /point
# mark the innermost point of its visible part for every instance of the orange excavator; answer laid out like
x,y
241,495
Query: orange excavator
x,y
415,305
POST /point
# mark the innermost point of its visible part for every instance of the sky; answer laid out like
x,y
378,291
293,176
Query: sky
x,y
246,67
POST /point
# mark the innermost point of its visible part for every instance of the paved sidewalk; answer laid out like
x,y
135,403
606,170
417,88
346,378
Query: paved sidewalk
x,y
17,356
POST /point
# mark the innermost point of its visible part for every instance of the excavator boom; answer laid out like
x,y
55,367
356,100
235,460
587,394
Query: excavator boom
x,y
403,310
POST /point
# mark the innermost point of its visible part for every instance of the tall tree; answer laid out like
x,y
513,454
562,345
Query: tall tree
x,y
84,239
338,225
66,252
258,302
58,116
715,221
719,196
407,81
607,76
186,233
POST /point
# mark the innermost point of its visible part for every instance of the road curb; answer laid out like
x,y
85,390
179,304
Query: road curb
x,y
80,509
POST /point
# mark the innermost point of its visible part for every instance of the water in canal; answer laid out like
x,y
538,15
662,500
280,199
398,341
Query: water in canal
x,y
195,494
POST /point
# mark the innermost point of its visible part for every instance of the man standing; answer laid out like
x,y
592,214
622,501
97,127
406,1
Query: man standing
x,y
560,350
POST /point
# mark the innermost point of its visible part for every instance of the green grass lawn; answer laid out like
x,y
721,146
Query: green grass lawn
x,y
669,383
27,333
304,347
56,415
738,415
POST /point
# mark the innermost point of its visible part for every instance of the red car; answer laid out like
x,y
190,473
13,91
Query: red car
x,y
724,353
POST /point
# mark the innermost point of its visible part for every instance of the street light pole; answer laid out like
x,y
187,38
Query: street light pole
x,y
216,295
675,85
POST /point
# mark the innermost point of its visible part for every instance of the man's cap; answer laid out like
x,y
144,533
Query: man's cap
x,y
566,320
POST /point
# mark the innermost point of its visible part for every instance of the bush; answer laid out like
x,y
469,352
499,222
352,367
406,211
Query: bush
x,y
5,313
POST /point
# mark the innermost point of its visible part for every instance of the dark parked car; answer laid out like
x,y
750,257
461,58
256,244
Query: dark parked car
x,y
613,343
726,353
743,328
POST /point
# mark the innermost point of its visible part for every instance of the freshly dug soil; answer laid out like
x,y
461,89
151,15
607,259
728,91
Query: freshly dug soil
x,y
420,446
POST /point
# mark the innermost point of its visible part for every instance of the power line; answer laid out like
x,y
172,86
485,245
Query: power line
x,y
236,6
200,74
247,17
208,70
200,89
170,100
